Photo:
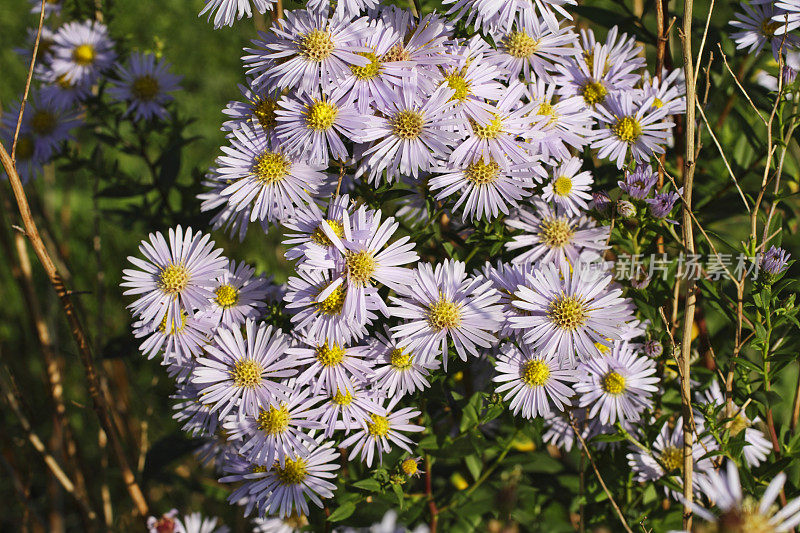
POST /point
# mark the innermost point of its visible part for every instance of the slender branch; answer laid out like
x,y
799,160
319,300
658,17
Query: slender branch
x,y
28,83
429,494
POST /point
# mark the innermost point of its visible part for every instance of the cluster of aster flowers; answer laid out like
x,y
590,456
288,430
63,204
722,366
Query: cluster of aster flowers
x,y
76,62
364,95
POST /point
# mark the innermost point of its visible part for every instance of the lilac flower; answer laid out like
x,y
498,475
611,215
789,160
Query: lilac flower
x,y
46,124
331,367
669,92
380,432
398,371
775,261
473,76
227,11
198,418
568,188
762,22
788,14
178,345
311,238
662,204
259,106
346,410
557,123
81,51
638,184
144,85
601,202
238,295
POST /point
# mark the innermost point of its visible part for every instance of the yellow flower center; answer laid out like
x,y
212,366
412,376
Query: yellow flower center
x,y
379,425
519,44
342,399
273,421
407,124
409,466
247,374
64,82
319,237
43,122
482,173
145,88
317,45
614,383
769,27
370,70
259,469
271,167
173,279
627,129
562,186
332,305
264,112
444,314
671,457
555,232
747,518
602,348
330,355
360,266
226,296
320,115
162,327
657,103
400,360
593,92
488,131
84,54
293,471
535,373
567,313
25,146
396,53
460,85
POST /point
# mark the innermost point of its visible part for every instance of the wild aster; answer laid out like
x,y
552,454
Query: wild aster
x,y
177,345
617,385
557,123
531,382
258,106
486,188
666,458
81,51
506,279
669,92
379,433
64,92
238,295
276,432
661,204
601,201
317,309
630,125
311,127
166,522
345,410
549,235
144,85
570,311
346,9
245,372
225,12
498,139
45,126
638,183
531,48
624,55
197,523
51,7
398,371
262,175
331,367
568,188
760,23
174,279
198,418
559,431
724,491
291,524
473,78
311,51
788,14
410,134
775,261
234,221
756,445
444,303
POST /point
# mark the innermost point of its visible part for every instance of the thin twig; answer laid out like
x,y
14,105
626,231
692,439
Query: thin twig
x,y
28,83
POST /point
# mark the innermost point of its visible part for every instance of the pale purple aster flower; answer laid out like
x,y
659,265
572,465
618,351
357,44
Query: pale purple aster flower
x,y
311,126
412,133
626,125
245,372
197,523
345,9
493,15
556,123
498,139
473,77
775,261
485,187
570,310
64,92
291,524
51,7
198,418
174,279
661,204
725,493
225,12
82,50
444,303
276,432
787,13
381,431
282,489
550,235
238,295
398,371
506,278
640,182
531,382
263,176
559,431
179,345
666,458
761,23
569,189
548,9
601,201
318,311
145,86
756,445
311,51
532,48
234,221
258,106
45,126
331,367
345,410
618,385
669,92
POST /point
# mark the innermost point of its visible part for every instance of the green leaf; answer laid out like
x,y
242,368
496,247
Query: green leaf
x,y
474,464
401,497
368,484
342,512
